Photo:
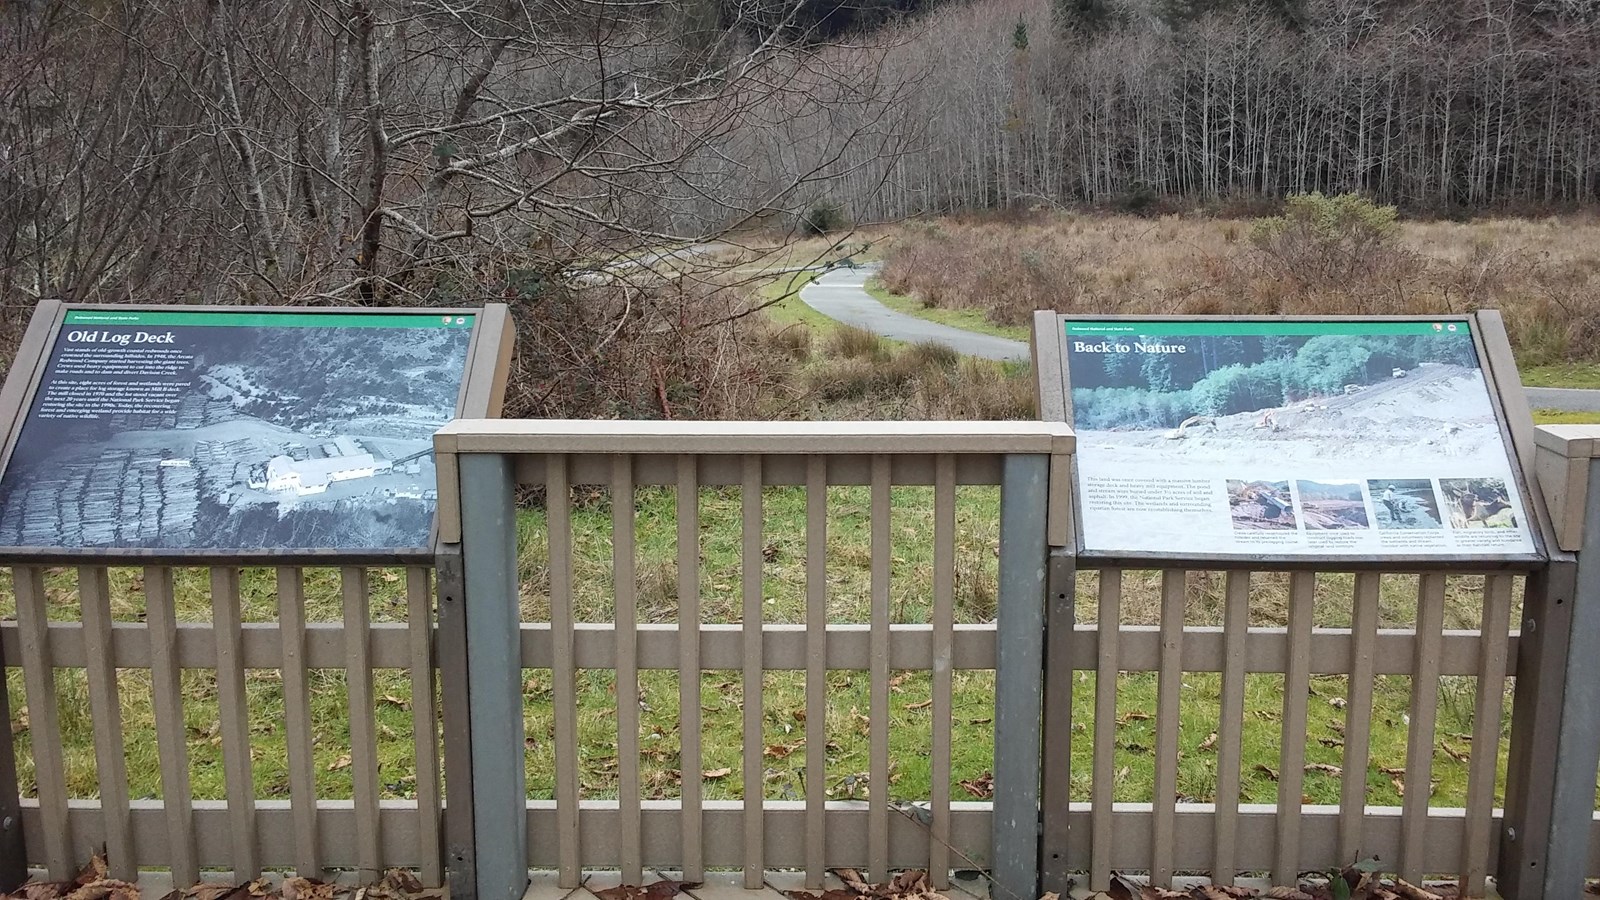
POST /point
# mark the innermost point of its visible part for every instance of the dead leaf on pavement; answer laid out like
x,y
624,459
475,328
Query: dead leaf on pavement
x,y
298,888
659,890
214,891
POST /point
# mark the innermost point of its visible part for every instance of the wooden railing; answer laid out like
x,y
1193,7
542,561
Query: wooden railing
x,y
517,601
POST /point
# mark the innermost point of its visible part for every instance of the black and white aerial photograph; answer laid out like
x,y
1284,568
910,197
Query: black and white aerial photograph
x,y
249,438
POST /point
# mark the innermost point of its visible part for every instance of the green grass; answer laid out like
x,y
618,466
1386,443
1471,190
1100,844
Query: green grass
x,y
1567,375
722,693
789,308
1565,417
965,319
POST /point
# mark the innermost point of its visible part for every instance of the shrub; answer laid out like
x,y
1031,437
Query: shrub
x,y
1326,239
851,342
822,218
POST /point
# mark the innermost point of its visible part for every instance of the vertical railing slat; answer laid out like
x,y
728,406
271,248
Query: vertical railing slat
x,y
234,712
363,719
878,759
754,746
1494,631
1358,717
1169,685
563,675
424,722
944,565
1292,743
299,735
625,583
1101,789
44,719
166,700
689,755
1419,739
1230,726
816,666
111,765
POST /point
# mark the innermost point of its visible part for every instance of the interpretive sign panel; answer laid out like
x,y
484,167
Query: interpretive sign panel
x,y
1289,438
195,432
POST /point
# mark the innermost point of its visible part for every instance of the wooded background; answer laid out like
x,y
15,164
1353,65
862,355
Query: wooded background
x,y
336,151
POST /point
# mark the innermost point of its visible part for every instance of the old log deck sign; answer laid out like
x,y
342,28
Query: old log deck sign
x,y
190,432
1283,438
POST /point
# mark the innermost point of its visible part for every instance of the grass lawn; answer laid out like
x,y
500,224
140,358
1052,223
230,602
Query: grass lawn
x,y
1565,417
966,319
1567,375
789,308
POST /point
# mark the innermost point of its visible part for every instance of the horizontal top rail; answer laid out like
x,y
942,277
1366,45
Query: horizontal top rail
x,y
1570,441
616,436
622,436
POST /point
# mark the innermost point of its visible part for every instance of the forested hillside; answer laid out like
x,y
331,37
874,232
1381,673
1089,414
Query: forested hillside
x,y
1434,105
545,152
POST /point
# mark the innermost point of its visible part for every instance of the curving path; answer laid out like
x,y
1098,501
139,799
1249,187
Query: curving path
x,y
841,294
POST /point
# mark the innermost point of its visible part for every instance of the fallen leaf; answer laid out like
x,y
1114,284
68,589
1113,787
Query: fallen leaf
x,y
658,890
105,888
213,891
1338,702
1330,742
832,894
1209,743
1266,770
981,787
1459,756
342,762
401,880
1127,717
717,773
390,698
1399,785
779,751
1287,893
298,888
1325,769
923,705
46,890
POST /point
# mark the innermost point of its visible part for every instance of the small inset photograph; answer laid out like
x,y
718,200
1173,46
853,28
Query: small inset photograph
x,y
1332,504
1404,503
1260,504
1478,503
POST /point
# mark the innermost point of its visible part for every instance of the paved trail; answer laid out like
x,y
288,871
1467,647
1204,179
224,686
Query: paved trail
x,y
841,294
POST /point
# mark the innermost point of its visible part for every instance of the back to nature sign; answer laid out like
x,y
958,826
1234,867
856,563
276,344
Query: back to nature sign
x,y
1289,439
192,432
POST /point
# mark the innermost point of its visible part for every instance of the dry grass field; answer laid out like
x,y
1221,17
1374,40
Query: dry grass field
x,y
1543,274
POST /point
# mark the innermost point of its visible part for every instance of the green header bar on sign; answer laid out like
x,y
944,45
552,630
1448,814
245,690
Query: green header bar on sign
x,y
1227,328
112,318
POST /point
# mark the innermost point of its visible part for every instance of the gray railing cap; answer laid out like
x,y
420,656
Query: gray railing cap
x,y
635,436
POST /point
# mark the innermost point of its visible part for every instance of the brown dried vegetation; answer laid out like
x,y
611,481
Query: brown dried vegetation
x,y
1542,274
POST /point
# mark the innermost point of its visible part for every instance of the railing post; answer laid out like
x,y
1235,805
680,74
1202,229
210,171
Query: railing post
x,y
13,855
1555,726
489,604
1019,676
1577,749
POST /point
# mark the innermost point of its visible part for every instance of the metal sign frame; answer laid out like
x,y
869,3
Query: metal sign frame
x,y
481,395
1053,393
